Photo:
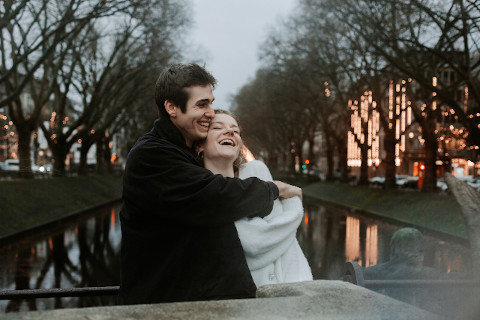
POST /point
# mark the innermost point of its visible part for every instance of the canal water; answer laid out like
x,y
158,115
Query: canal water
x,y
85,252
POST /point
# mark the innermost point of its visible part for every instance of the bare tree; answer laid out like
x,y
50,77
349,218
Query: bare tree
x,y
31,35
109,78
422,40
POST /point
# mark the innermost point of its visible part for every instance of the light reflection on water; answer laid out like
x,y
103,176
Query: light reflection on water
x,y
83,254
331,236
86,253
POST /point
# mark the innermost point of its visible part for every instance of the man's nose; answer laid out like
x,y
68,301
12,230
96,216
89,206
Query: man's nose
x,y
209,112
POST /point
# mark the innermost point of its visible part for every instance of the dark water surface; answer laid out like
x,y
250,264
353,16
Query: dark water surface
x,y
85,252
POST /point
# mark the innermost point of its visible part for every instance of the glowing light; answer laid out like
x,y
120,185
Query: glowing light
x,y
50,243
365,126
112,219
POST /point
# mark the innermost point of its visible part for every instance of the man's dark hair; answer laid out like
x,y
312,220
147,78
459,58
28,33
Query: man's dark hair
x,y
172,82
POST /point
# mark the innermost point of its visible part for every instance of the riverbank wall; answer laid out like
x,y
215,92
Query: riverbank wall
x,y
30,205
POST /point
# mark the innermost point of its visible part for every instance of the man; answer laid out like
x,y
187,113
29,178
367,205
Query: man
x,y
179,242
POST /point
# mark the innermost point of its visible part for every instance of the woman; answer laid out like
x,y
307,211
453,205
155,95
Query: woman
x,y
271,249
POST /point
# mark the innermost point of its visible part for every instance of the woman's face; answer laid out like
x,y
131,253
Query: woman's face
x,y
223,139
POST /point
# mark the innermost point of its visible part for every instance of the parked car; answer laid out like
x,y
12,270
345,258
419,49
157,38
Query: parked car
x,y
377,181
406,181
401,180
10,167
441,184
12,164
42,170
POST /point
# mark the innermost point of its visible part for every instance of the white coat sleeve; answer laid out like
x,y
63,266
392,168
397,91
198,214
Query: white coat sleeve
x,y
265,240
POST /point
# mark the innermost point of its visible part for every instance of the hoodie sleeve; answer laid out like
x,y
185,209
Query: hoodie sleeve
x,y
162,181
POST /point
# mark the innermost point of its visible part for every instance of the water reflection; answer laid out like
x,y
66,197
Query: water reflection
x,y
352,240
331,236
371,246
86,253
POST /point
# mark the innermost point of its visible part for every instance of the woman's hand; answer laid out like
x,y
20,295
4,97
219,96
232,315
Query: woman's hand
x,y
286,190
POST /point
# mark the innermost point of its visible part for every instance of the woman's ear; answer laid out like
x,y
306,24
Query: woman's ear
x,y
199,148
171,108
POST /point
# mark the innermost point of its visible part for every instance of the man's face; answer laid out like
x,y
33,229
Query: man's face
x,y
194,123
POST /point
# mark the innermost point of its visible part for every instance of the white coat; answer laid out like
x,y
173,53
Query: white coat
x,y
270,245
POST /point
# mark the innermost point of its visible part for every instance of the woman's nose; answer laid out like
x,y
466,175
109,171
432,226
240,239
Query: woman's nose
x,y
229,131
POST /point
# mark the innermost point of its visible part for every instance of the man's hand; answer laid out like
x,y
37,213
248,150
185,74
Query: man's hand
x,y
287,191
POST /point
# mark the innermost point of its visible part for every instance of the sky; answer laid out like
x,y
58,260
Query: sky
x,y
226,35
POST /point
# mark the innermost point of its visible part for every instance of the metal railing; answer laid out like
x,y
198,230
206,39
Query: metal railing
x,y
58,292
354,274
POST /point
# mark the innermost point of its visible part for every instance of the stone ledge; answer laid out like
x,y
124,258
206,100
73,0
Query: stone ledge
x,y
320,299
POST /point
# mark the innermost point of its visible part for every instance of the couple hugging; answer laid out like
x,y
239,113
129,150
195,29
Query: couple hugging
x,y
197,222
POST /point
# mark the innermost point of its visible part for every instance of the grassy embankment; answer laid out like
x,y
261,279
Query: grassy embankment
x,y
437,211
29,203
25,204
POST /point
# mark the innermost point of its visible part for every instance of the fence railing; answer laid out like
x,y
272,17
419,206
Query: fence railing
x,y
58,292
354,274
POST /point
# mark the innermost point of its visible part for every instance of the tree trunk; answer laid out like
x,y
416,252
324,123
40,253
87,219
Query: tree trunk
x,y
273,161
342,158
24,141
100,168
59,155
363,180
329,154
390,168
430,179
107,155
311,153
83,166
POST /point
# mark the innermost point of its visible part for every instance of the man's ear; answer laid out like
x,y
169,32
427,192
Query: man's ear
x,y
171,108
